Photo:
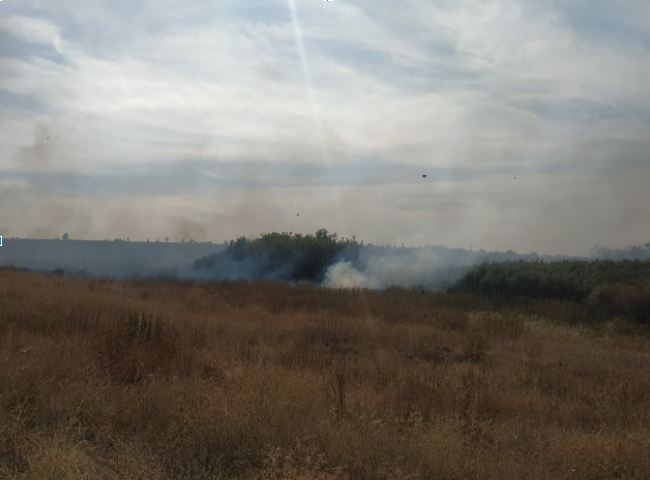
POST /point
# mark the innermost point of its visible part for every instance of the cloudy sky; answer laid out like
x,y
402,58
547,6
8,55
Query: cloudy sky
x,y
211,119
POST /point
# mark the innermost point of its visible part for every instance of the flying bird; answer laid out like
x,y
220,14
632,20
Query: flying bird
x,y
424,175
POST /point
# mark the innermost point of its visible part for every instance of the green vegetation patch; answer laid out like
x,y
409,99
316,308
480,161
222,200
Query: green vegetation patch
x,y
280,256
607,287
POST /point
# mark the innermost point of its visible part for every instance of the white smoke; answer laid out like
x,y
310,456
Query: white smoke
x,y
344,275
378,268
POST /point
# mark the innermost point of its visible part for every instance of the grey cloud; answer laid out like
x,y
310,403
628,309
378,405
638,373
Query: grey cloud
x,y
11,101
192,177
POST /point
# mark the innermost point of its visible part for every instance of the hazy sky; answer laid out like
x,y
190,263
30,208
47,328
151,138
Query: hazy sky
x,y
211,119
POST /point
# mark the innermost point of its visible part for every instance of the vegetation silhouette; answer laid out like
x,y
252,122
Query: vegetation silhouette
x,y
281,256
635,252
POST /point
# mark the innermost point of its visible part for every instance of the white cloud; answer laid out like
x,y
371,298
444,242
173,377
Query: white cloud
x,y
506,86
30,29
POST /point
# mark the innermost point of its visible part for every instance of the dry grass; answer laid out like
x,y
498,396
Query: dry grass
x,y
149,380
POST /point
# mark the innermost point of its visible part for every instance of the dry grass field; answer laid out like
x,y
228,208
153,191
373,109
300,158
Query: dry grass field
x,y
153,380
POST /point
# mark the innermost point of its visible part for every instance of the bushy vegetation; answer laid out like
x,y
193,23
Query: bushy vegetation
x,y
607,288
166,380
279,256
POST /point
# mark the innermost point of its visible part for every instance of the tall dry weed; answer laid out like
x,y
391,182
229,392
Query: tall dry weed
x,y
153,380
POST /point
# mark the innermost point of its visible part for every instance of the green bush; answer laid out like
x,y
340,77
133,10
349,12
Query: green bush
x,y
280,256
608,288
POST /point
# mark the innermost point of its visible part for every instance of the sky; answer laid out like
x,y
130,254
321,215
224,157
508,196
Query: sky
x,y
214,119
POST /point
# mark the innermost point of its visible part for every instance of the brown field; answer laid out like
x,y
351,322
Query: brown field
x,y
153,380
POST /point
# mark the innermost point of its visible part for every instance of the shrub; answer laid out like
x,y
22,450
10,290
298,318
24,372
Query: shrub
x,y
279,256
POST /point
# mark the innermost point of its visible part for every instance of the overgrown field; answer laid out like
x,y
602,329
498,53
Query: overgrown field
x,y
154,380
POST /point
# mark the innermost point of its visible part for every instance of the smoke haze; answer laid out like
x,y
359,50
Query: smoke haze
x,y
432,267
370,266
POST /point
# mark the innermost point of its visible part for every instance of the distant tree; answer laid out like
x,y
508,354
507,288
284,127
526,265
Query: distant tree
x,y
65,236
286,256
635,252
